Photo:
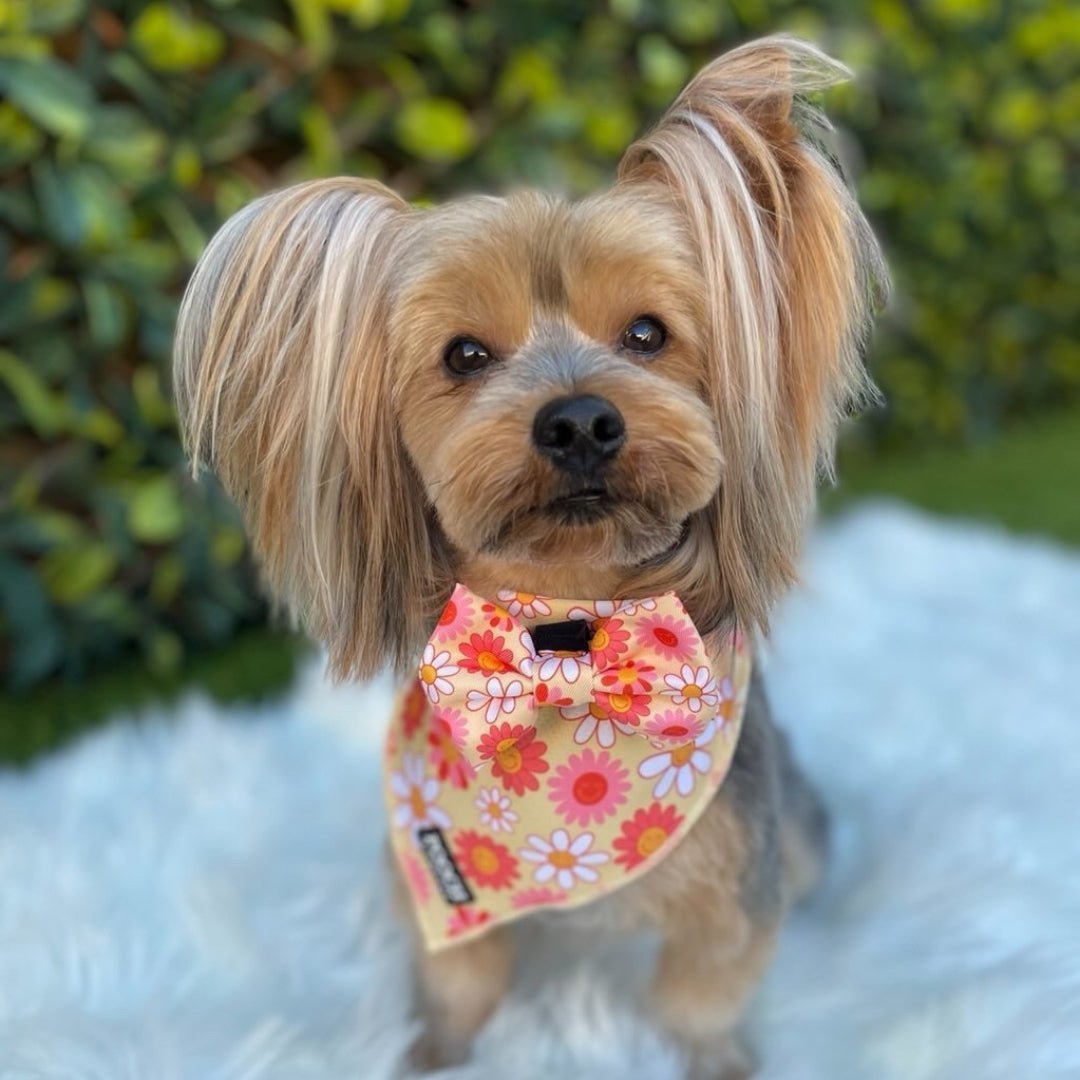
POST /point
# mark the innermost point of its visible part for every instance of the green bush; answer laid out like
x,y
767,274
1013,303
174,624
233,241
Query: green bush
x,y
130,130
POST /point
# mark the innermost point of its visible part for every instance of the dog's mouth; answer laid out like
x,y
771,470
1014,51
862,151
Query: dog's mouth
x,y
582,506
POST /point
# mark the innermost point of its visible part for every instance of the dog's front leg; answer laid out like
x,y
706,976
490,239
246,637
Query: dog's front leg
x,y
701,989
457,990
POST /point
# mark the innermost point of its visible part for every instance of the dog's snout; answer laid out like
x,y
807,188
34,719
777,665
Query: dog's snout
x,y
578,434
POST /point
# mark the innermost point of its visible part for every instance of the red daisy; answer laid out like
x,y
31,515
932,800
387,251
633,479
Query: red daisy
x,y
630,677
414,709
624,708
497,616
547,694
486,653
516,755
447,739
465,918
485,862
670,637
645,833
608,642
589,787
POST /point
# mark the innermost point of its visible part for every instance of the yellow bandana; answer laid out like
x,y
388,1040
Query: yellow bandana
x,y
553,750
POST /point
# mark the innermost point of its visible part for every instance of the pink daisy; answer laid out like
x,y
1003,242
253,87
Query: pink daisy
x,y
674,726
609,641
456,616
590,787
448,737
417,877
671,638
535,897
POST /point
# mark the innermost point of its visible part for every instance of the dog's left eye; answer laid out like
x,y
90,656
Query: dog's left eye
x,y
464,356
644,336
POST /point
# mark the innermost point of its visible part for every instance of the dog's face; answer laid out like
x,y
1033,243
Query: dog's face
x,y
644,381
551,377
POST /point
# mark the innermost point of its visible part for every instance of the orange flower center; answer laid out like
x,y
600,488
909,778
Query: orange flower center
x,y
627,675
620,702
682,754
508,756
675,731
590,788
484,859
428,674
449,749
416,802
650,840
665,636
691,690
600,640
494,810
489,661
525,597
562,859
727,708
449,614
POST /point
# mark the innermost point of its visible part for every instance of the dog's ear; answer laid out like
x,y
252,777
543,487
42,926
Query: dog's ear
x,y
282,379
790,267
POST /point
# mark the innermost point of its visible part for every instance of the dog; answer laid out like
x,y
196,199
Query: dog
x,y
627,396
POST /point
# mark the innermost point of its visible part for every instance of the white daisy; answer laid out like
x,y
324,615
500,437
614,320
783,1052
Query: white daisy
x,y
435,672
495,698
527,605
601,609
677,767
495,812
692,688
565,861
632,607
416,793
594,722
568,668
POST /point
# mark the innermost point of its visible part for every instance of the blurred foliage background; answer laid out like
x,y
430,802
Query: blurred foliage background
x,y
129,130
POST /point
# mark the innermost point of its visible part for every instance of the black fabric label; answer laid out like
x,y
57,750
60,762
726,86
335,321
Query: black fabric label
x,y
572,636
452,885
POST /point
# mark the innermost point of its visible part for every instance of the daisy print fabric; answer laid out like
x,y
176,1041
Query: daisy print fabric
x,y
520,777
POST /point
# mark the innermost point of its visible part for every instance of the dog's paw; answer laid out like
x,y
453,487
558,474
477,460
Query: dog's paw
x,y
432,1052
730,1060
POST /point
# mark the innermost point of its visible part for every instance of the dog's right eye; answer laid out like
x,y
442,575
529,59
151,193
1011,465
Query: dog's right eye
x,y
465,356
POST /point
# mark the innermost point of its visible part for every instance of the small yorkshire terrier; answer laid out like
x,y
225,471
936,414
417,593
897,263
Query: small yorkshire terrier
x,y
626,397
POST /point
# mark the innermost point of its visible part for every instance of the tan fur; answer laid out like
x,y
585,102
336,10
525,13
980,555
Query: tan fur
x,y
309,375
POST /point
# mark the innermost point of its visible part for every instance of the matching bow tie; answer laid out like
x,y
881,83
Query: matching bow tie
x,y
631,665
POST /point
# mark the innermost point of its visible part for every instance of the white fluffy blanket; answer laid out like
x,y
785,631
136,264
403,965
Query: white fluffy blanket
x,y
200,896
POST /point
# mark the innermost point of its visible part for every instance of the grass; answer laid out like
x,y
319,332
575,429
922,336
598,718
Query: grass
x,y
1025,480
256,665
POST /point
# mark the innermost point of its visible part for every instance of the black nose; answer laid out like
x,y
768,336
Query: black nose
x,y
579,433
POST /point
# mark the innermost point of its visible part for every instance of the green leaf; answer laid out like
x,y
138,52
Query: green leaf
x,y
155,512
20,141
47,412
170,40
435,129
51,16
51,93
106,313
72,573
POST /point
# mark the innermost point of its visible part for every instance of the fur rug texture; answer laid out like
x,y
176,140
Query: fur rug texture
x,y
200,895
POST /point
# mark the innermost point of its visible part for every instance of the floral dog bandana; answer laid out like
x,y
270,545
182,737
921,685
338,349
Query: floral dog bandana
x,y
551,751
